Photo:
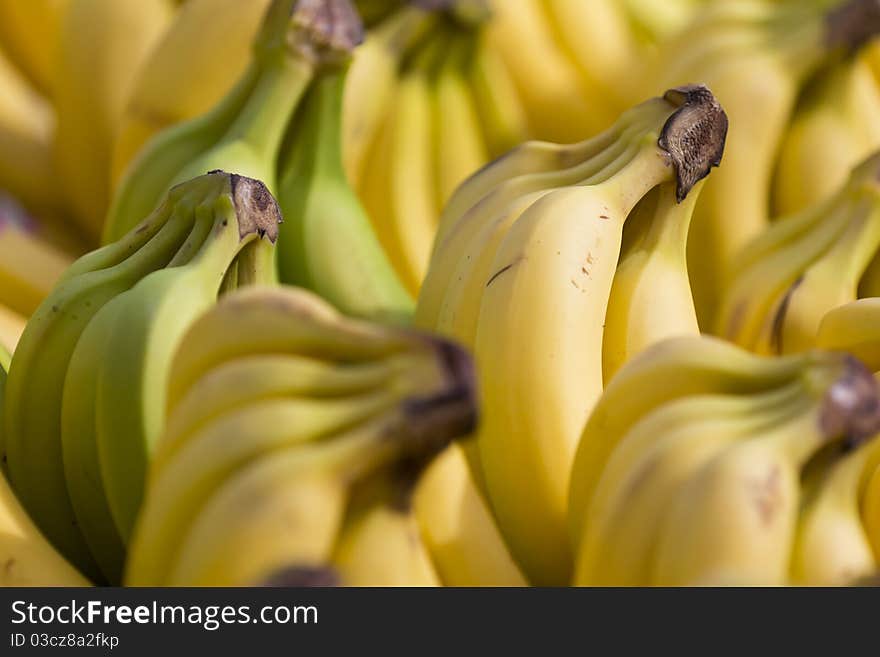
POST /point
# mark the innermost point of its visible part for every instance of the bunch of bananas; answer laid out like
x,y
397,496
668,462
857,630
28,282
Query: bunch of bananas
x,y
704,465
294,438
85,398
333,229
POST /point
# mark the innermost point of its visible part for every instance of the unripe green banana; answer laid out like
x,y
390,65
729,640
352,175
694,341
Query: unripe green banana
x,y
244,132
327,244
50,444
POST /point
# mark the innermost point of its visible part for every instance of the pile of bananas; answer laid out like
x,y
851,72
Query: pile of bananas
x,y
439,292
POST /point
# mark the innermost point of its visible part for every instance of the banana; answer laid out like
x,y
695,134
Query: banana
x,y
508,186
659,453
833,129
11,328
560,103
30,32
33,444
458,527
29,268
398,187
802,266
100,43
349,401
672,369
381,544
244,131
150,320
185,73
499,107
372,80
580,25
459,146
26,126
832,546
28,558
734,521
650,297
546,295
870,499
751,54
328,244
852,328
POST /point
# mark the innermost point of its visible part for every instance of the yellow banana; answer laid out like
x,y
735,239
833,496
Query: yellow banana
x,y
29,269
833,129
100,45
29,32
186,73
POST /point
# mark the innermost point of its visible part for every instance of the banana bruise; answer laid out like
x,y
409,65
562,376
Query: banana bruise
x,y
342,403
327,244
522,328
245,130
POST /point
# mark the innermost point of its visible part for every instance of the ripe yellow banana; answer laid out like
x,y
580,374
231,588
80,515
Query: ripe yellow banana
x,y
659,453
372,81
340,402
832,546
381,544
539,332
398,188
651,296
29,269
734,521
458,526
11,328
101,43
752,55
674,368
30,33
802,266
833,129
458,140
852,327
501,111
26,126
186,74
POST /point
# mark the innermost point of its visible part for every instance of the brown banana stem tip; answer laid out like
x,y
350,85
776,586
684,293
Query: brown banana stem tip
x,y
694,136
256,209
303,576
333,25
431,423
851,408
852,24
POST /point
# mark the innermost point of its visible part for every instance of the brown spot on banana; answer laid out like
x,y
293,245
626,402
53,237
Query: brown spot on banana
x,y
852,24
303,576
851,407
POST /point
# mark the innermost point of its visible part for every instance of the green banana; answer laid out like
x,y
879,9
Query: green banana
x,y
244,131
328,244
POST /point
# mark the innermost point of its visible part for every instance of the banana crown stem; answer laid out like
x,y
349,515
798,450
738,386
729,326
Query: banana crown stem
x,y
319,31
694,136
852,24
851,406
